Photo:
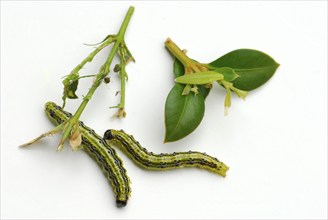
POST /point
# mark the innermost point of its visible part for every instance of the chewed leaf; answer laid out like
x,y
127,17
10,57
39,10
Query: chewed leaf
x,y
183,113
228,73
70,88
199,78
254,67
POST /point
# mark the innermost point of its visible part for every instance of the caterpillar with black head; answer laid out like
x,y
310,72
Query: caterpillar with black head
x,y
149,160
100,149
96,147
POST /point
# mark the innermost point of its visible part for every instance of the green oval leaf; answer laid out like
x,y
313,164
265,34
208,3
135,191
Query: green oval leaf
x,y
199,78
178,70
254,67
182,113
228,73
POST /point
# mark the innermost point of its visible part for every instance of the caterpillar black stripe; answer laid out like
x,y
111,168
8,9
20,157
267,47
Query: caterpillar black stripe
x,y
149,160
96,147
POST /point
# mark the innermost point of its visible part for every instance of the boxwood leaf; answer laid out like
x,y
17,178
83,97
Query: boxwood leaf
x,y
228,73
178,70
199,78
254,67
182,113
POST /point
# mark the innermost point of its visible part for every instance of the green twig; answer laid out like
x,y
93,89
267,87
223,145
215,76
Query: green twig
x,y
73,77
71,126
125,56
190,65
104,70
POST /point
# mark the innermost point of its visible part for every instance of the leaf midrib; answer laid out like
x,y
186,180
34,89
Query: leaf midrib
x,y
183,110
257,68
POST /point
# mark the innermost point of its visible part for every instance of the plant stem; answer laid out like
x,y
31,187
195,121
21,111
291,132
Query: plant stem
x,y
123,76
90,57
104,70
189,64
125,56
74,75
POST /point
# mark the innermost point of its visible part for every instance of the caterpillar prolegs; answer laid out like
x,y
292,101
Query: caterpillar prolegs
x,y
96,147
149,160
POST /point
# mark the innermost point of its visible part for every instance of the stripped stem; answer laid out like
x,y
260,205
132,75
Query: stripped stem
x,y
104,70
124,53
74,75
71,126
190,65
51,132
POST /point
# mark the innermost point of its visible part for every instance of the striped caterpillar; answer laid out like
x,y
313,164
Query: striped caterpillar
x,y
100,149
96,147
151,161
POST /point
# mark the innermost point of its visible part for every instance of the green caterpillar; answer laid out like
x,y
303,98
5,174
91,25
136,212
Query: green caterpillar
x,y
100,149
149,160
96,147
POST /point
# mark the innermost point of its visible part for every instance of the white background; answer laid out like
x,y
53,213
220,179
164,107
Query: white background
x,y
275,142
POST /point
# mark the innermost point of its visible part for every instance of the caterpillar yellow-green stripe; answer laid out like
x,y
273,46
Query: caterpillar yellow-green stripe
x,y
151,161
96,147
100,149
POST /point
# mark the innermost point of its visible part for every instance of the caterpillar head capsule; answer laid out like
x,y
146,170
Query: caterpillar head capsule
x,y
120,203
108,135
